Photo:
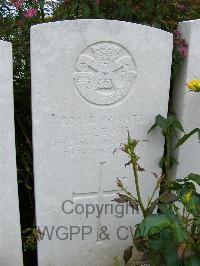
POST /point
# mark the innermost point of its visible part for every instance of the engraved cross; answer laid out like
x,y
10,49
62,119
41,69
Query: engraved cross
x,y
99,195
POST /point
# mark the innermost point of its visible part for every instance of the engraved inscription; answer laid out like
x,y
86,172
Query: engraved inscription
x,y
94,134
105,73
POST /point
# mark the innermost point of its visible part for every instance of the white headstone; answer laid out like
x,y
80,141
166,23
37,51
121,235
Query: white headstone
x,y
10,234
91,81
186,103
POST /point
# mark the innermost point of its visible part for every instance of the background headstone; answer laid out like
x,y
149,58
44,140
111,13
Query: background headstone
x,y
186,103
91,81
10,234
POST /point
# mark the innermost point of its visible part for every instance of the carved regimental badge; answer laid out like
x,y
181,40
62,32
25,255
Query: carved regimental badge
x,y
105,73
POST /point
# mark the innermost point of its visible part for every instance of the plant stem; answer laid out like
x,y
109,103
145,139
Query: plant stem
x,y
168,146
135,170
151,198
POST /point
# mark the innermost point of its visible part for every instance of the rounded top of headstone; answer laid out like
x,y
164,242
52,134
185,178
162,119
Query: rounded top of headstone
x,y
194,21
79,22
5,43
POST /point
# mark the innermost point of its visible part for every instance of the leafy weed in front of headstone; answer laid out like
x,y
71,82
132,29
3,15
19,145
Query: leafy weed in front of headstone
x,y
171,236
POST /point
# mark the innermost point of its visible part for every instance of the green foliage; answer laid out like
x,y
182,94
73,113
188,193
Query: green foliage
x,y
187,136
116,261
194,177
180,226
171,236
170,127
151,225
193,260
29,236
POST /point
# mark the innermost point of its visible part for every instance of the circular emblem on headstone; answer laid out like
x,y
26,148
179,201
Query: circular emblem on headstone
x,y
105,72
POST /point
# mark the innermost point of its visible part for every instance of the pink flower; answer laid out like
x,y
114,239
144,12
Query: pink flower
x,y
183,50
17,3
31,12
98,2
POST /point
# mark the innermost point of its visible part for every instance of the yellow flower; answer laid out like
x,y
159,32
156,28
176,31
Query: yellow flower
x,y
194,85
187,196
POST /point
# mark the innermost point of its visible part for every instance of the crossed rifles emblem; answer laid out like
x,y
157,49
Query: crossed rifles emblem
x,y
103,72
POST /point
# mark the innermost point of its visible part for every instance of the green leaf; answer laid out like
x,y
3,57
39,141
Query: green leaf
x,y
167,212
193,205
173,121
151,225
116,261
161,122
161,240
193,260
42,3
195,178
154,126
179,232
167,123
186,187
174,185
162,161
186,137
28,187
171,255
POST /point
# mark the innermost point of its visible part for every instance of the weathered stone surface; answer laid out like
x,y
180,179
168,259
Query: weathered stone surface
x,y
186,103
10,235
91,81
